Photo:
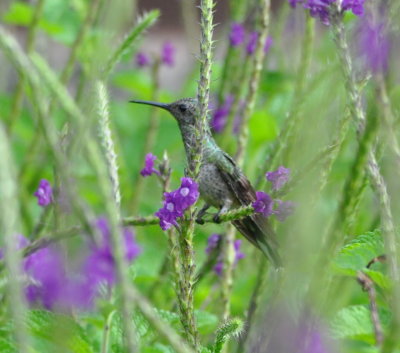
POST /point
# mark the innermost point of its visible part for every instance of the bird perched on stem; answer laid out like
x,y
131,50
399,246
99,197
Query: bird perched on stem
x,y
221,182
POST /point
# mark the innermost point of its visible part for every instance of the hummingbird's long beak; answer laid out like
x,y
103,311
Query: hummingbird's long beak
x,y
154,104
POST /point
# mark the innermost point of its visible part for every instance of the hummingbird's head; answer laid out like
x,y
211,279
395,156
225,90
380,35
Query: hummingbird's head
x,y
183,110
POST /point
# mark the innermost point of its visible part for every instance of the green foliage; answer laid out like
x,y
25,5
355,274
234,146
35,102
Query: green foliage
x,y
41,104
354,322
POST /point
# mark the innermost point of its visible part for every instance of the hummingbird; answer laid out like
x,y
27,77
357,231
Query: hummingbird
x,y
222,184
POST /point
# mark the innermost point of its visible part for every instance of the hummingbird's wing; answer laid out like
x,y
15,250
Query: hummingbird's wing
x,y
256,227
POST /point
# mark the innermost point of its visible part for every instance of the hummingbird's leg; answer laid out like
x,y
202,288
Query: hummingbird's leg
x,y
202,212
225,208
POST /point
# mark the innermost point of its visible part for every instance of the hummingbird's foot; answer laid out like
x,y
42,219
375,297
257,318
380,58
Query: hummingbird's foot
x,y
202,212
217,218
199,220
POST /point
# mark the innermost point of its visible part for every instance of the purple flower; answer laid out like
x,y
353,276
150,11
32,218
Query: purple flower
x,y
219,266
374,45
187,194
236,36
167,54
252,43
142,59
221,114
99,265
356,6
268,44
212,242
322,8
149,166
46,271
44,193
278,178
293,3
263,204
238,254
284,209
176,202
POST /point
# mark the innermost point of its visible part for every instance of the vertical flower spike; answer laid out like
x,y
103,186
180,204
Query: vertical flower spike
x,y
149,166
252,43
238,254
44,193
263,204
142,59
278,178
212,242
374,44
221,114
236,36
168,54
268,44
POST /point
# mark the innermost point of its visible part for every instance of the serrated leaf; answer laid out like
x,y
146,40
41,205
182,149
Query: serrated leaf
x,y
51,330
158,348
206,322
356,255
355,322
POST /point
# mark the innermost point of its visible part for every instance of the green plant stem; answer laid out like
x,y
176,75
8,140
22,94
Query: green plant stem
x,y
106,332
254,80
113,216
143,23
155,321
107,140
238,93
151,134
22,64
389,119
61,234
290,126
375,176
227,273
9,211
30,46
253,303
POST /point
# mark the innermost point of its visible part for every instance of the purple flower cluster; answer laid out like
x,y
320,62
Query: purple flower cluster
x,y
44,193
176,202
167,56
221,114
278,178
237,37
53,285
149,166
374,44
142,59
252,44
212,244
322,8
237,34
264,203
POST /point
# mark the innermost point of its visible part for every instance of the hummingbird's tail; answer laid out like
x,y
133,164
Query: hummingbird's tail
x,y
263,237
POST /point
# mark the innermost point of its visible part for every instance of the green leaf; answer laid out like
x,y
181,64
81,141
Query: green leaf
x,y
359,252
206,322
354,322
56,330
21,14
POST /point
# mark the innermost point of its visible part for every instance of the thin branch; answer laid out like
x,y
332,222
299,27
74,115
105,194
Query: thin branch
x,y
368,285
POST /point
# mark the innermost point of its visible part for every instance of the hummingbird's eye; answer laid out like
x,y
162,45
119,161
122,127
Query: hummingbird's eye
x,y
182,107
